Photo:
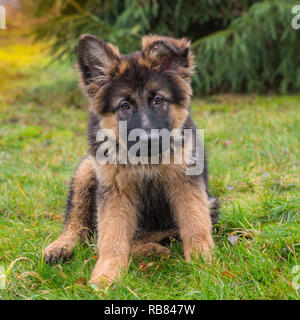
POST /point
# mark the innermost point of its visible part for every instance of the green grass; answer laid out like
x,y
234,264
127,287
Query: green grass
x,y
253,149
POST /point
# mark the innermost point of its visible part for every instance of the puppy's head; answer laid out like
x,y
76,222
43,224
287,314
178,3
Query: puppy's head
x,y
150,89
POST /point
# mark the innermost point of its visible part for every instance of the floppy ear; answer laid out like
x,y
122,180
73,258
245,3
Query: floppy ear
x,y
96,59
165,53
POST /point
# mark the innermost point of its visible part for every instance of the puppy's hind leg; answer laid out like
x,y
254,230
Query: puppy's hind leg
x,y
148,249
80,212
149,243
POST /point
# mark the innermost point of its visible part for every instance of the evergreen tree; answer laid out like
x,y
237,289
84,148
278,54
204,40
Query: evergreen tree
x,y
243,45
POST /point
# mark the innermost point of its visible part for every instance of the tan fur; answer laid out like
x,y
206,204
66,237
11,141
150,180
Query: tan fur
x,y
148,243
109,121
186,88
123,67
191,211
96,104
178,115
117,208
144,62
156,236
106,52
152,86
149,249
114,51
189,205
117,218
76,226
147,41
151,42
116,226
88,90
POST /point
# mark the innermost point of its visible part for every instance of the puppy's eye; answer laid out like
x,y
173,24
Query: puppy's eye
x,y
158,100
125,106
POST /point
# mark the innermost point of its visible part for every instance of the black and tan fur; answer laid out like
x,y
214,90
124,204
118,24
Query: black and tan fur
x,y
134,208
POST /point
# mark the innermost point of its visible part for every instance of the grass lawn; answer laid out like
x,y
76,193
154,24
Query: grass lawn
x,y
253,150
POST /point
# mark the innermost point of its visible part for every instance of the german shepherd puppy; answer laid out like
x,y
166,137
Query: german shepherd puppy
x,y
134,207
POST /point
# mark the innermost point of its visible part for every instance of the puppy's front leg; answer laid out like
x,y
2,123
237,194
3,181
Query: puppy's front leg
x,y
191,212
116,226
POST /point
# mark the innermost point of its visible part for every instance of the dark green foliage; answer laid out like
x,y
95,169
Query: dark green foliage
x,y
257,52
243,45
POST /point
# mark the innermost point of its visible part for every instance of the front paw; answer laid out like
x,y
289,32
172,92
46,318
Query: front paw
x,y
101,281
106,272
56,250
203,249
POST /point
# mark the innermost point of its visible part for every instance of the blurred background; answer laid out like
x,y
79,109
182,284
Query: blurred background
x,y
246,97
240,46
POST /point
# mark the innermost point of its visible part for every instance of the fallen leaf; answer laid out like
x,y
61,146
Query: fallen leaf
x,y
20,188
227,143
145,266
228,274
57,217
81,281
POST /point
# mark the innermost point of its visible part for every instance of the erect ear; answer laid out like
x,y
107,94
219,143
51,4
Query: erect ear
x,y
165,53
96,60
